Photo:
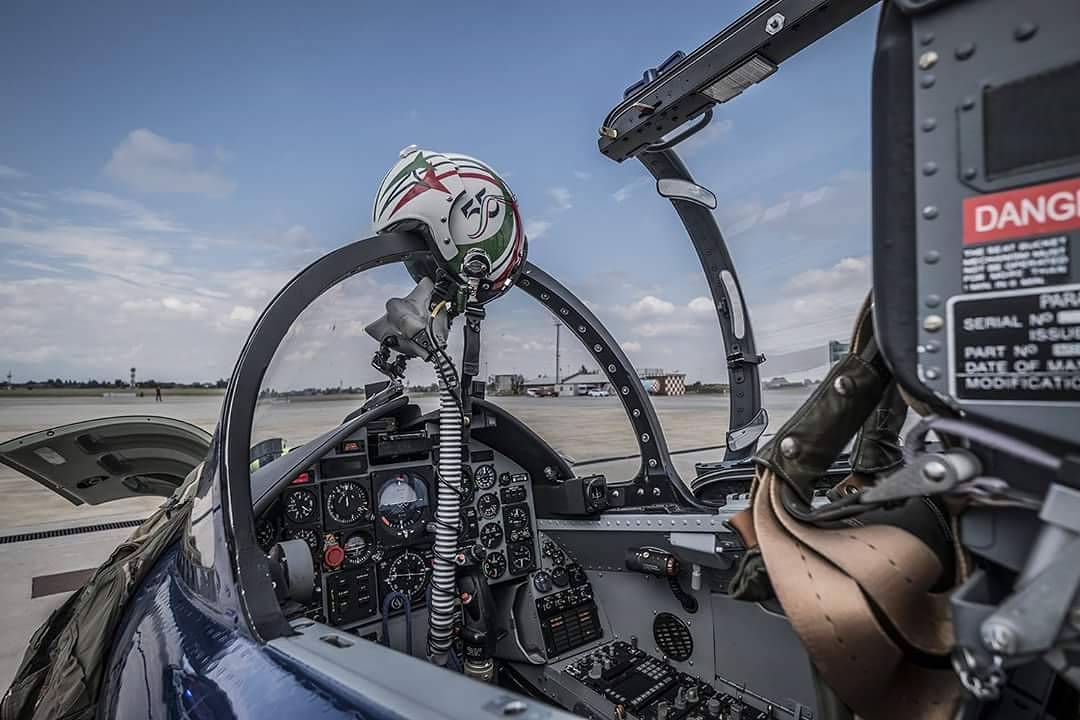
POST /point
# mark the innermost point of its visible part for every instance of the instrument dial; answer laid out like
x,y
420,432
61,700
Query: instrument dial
x,y
491,536
516,516
300,506
358,549
409,574
485,477
403,504
308,535
468,487
488,506
495,565
347,503
266,534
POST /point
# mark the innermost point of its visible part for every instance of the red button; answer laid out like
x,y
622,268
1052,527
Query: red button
x,y
333,556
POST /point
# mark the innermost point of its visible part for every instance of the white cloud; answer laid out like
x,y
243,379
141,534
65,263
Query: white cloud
x,y
184,308
630,346
649,306
33,201
148,162
848,271
137,215
701,306
298,238
535,229
582,175
623,192
672,328
242,313
6,171
562,197
29,265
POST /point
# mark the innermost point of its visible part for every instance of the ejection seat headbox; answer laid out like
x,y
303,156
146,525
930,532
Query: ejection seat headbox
x,y
976,210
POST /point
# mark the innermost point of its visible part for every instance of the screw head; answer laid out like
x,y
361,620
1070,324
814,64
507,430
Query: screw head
x,y
1025,31
928,60
789,447
932,257
775,24
929,168
965,50
932,373
929,124
933,346
843,386
933,323
935,471
999,638
932,301
930,212
927,80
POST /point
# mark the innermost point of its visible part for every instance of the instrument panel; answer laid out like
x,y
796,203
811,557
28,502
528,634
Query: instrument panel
x,y
369,526
501,501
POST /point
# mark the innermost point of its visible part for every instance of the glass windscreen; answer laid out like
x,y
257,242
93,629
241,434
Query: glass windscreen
x,y
318,374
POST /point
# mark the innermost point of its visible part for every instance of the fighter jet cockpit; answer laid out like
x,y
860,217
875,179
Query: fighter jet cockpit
x,y
897,542
441,526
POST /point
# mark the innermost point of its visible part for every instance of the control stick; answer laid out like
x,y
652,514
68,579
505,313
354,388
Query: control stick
x,y
478,623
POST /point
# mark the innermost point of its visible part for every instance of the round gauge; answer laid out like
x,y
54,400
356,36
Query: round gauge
x,y
266,534
560,577
468,488
485,477
308,535
300,506
516,517
408,573
491,536
488,506
558,557
358,549
347,503
495,565
403,504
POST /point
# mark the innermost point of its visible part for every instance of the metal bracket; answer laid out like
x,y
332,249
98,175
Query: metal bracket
x,y
736,360
1031,620
928,474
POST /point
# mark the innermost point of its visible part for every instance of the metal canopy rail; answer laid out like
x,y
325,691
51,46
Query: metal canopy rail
x,y
749,50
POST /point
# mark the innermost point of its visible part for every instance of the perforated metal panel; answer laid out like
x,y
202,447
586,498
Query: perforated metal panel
x,y
673,637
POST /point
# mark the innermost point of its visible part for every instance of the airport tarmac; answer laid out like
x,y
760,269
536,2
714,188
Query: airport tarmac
x,y
40,573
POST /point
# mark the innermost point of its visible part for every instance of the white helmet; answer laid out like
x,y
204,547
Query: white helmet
x,y
468,213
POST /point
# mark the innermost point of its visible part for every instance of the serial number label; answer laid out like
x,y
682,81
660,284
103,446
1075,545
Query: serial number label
x,y
1017,346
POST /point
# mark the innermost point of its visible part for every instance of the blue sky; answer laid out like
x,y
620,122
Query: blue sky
x,y
164,171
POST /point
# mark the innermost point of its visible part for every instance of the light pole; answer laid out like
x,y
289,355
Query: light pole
x,y
558,326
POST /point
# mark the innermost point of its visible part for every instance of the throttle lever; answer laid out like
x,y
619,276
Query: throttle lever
x,y
660,563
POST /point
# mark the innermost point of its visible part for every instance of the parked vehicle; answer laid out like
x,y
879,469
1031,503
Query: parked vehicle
x,y
599,392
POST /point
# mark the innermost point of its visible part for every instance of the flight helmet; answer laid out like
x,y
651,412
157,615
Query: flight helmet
x,y
468,214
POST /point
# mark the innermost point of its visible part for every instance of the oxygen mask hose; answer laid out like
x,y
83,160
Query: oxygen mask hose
x,y
447,508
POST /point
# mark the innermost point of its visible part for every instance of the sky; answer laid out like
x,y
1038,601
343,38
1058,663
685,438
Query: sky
x,y
165,170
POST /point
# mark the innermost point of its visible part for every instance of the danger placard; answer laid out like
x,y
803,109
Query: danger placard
x,y
1048,209
1017,346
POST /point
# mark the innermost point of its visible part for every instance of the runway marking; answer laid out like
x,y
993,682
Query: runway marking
x,y
44,534
44,585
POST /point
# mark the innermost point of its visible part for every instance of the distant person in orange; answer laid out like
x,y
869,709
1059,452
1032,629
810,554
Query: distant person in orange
x,y
157,393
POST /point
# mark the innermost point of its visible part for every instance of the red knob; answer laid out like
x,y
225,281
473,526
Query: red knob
x,y
333,556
